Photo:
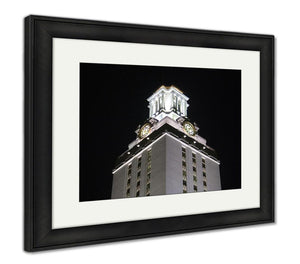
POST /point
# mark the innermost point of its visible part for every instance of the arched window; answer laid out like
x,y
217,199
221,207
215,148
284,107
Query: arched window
x,y
160,103
174,101
179,106
151,108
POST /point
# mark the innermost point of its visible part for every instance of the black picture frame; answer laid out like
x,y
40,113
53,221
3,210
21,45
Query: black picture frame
x,y
39,32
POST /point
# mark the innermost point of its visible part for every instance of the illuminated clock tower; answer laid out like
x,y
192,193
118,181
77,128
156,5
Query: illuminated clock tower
x,y
168,155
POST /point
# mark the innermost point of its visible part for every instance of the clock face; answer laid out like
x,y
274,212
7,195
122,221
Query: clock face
x,y
145,130
189,128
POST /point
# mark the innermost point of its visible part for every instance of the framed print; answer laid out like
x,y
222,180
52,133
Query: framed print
x,y
135,131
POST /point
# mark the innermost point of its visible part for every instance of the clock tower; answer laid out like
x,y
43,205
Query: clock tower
x,y
168,155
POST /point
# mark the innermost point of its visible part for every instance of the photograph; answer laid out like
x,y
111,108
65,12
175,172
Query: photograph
x,y
135,131
152,130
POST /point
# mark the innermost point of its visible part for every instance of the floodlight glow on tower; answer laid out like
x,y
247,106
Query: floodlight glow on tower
x,y
168,156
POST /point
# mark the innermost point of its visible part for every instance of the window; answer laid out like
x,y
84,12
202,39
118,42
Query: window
x,y
194,155
149,161
194,160
138,176
195,180
203,163
128,180
194,169
148,190
138,180
149,155
184,174
138,193
179,105
139,162
204,175
148,177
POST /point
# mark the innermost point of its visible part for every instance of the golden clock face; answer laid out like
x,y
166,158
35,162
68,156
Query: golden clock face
x,y
145,130
189,128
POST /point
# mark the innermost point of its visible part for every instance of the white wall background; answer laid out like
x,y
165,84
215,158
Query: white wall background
x,y
255,244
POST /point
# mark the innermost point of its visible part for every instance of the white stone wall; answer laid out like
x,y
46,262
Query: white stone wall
x,y
166,170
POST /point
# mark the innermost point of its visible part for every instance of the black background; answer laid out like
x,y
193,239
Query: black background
x,y
113,103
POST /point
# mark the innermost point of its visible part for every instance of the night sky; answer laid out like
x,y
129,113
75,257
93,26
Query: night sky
x,y
113,102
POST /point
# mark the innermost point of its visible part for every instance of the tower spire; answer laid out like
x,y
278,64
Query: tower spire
x,y
168,101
